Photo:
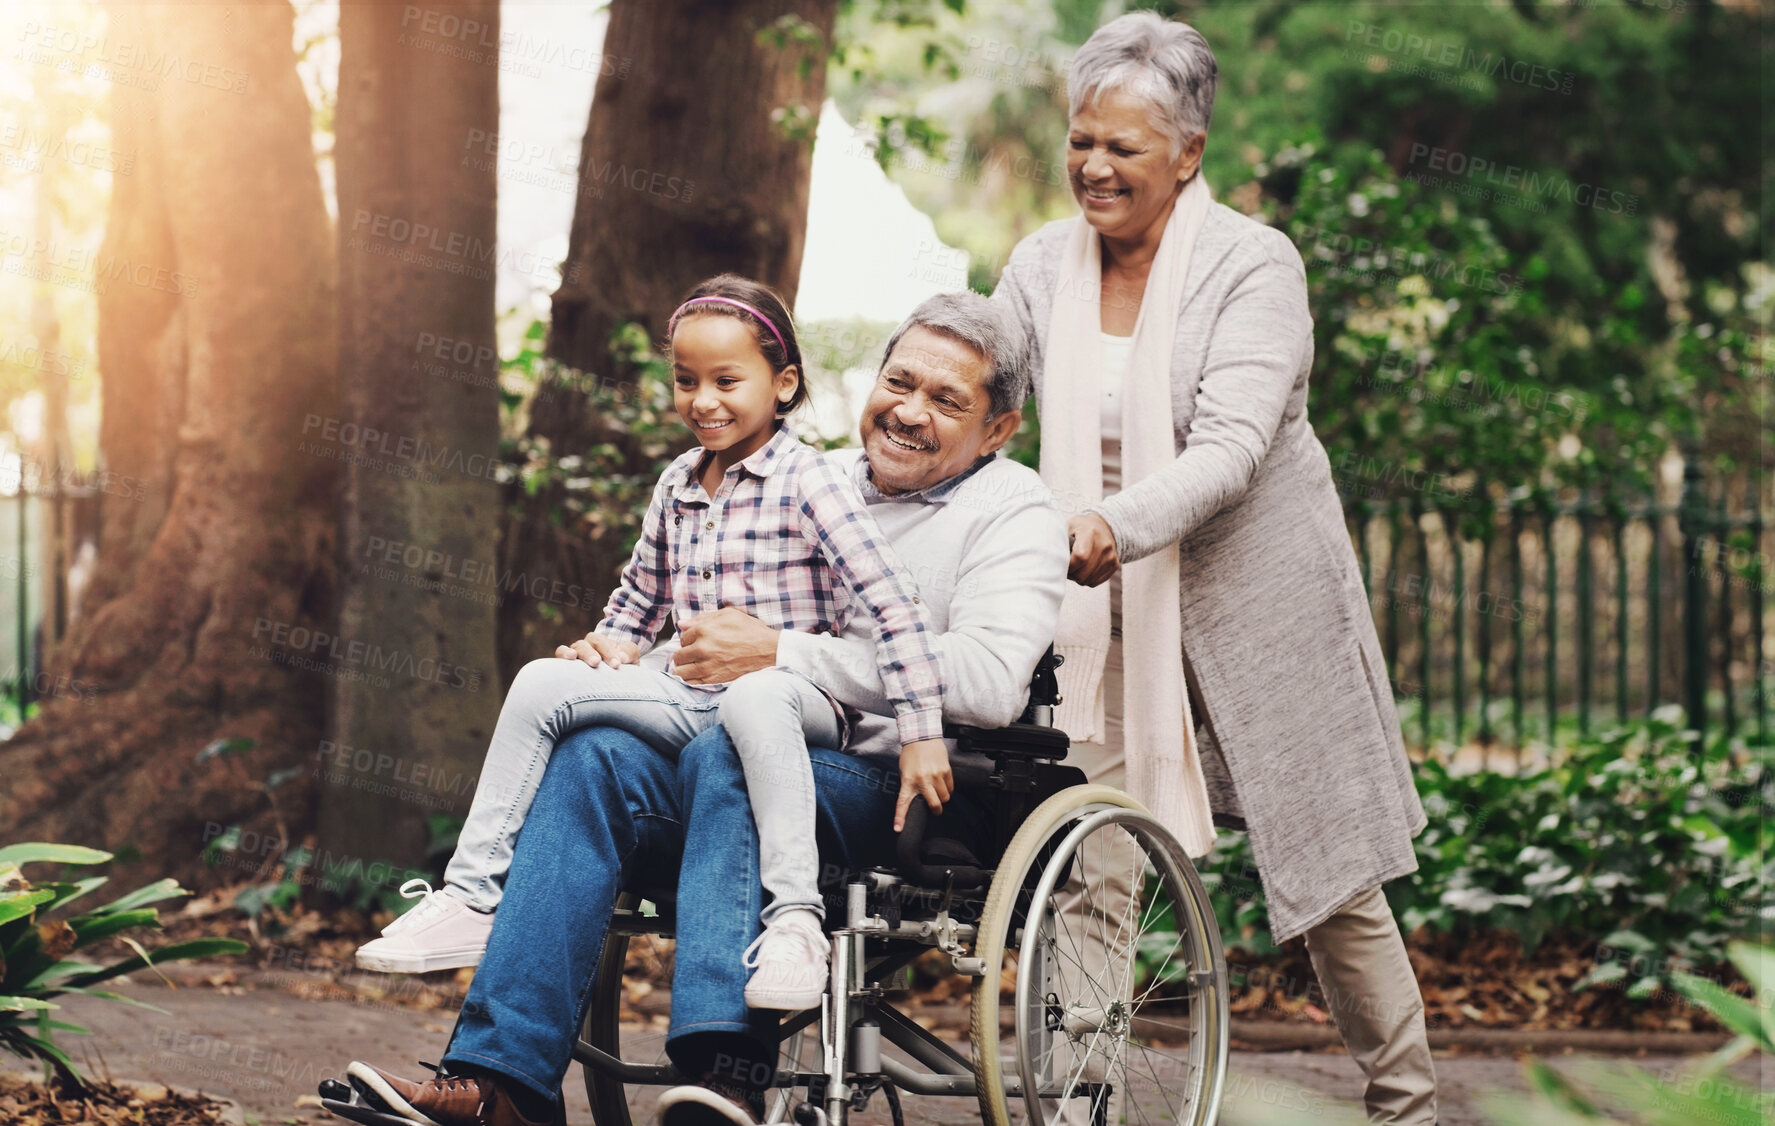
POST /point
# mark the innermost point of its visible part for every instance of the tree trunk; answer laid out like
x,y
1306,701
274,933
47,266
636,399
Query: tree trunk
x,y
683,174
215,282
419,423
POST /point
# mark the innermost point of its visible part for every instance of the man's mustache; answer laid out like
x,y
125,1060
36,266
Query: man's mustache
x,y
920,438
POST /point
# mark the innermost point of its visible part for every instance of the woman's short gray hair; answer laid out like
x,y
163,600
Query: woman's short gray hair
x,y
986,326
1163,61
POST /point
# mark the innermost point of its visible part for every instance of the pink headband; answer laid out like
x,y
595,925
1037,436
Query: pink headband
x,y
672,324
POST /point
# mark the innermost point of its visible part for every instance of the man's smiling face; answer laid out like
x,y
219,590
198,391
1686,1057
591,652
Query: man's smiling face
x,y
926,418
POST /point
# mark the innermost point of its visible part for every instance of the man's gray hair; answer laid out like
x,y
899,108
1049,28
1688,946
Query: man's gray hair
x,y
988,327
1164,62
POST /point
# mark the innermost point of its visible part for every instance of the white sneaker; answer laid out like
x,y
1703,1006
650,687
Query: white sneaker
x,y
412,889
789,963
442,933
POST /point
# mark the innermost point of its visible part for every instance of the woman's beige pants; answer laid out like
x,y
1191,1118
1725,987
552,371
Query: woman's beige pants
x,y
1357,953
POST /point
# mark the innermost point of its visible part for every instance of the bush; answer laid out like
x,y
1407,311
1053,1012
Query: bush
x,y
36,950
1629,835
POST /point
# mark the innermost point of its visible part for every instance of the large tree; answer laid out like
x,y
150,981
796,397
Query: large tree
x,y
216,313
696,161
418,369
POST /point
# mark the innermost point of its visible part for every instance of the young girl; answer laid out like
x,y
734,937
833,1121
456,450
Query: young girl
x,y
752,519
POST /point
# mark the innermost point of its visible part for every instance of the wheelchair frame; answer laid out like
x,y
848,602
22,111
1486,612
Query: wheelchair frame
x,y
855,1018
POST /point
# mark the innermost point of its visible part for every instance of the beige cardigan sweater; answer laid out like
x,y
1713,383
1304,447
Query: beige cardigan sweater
x,y
1276,625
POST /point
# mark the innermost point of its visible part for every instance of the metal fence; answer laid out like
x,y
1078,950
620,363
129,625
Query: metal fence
x,y
1548,617
1553,616
21,594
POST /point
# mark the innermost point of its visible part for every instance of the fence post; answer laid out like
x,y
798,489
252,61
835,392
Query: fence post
x,y
1424,610
1692,520
1760,684
1484,638
1619,527
1451,525
1549,520
24,626
1722,533
1517,663
1394,536
1654,607
1586,616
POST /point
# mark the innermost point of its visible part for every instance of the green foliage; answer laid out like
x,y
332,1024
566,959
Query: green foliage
x,y
1698,1093
38,938
1559,322
1627,835
604,488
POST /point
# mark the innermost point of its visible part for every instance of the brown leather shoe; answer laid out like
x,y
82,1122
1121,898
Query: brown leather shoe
x,y
445,1100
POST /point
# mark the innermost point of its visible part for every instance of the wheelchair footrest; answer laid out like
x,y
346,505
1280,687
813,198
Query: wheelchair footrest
x,y
368,1115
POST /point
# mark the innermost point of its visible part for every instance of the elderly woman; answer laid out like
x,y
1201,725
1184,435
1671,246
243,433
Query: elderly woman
x,y
1172,348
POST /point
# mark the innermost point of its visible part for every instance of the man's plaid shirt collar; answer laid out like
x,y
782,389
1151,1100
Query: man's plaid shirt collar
x,y
681,475
940,493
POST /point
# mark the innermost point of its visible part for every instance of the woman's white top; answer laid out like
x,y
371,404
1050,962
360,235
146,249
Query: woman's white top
x,y
1116,353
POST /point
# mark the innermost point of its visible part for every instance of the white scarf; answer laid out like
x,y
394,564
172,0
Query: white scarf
x,y
1159,734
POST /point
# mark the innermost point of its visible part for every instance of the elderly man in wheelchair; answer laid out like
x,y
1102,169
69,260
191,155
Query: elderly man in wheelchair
x,y
1098,985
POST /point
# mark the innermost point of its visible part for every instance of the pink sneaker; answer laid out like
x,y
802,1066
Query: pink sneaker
x,y
441,933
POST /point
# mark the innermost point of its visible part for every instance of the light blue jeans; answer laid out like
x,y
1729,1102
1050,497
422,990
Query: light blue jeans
x,y
772,715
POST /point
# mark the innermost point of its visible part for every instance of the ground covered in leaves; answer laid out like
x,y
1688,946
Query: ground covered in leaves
x,y
24,1103
1483,982
1487,982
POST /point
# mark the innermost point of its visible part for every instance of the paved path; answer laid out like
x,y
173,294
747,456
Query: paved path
x,y
268,1049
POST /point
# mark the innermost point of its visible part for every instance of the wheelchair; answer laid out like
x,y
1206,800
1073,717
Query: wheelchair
x,y
1099,987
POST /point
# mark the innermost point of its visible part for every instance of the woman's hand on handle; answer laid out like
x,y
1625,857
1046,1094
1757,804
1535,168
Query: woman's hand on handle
x,y
595,650
1094,559
924,772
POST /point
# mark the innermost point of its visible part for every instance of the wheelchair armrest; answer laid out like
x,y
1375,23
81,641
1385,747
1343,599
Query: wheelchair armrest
x,y
909,854
1020,740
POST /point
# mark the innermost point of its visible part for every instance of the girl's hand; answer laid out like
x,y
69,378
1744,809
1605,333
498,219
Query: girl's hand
x,y
596,650
924,772
1094,559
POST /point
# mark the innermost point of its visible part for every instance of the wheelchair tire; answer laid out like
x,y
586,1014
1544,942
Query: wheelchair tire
x,y
602,1028
1044,857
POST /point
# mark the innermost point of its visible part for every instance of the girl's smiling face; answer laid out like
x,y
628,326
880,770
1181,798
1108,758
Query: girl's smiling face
x,y
723,387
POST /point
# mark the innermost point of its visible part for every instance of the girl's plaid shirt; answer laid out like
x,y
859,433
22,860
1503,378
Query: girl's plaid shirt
x,y
786,538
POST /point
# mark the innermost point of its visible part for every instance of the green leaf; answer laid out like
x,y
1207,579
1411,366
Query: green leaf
x,y
89,929
1600,974
1558,1089
1645,987
68,893
38,853
59,970
152,893
109,996
9,1004
20,904
1729,1009
1658,1101
45,1050
219,747
177,951
1756,963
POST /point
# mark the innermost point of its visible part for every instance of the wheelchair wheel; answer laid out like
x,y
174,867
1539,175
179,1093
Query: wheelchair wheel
x,y
1100,932
602,1029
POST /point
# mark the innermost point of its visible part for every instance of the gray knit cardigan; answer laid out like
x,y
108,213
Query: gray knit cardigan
x,y
1277,632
